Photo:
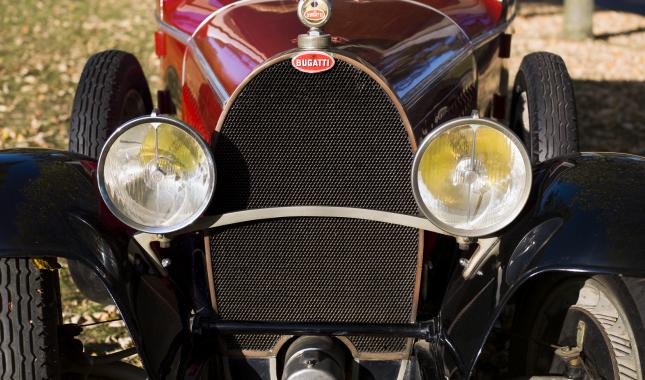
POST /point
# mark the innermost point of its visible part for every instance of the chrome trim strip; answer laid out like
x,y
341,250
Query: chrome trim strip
x,y
218,10
183,64
462,54
217,86
209,272
439,11
273,368
492,33
144,239
402,369
173,31
485,247
244,216
422,88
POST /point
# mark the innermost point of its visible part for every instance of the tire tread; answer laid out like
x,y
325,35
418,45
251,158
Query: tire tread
x,y
96,110
552,111
28,321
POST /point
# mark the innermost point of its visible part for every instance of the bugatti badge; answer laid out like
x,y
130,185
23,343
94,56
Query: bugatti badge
x,y
312,61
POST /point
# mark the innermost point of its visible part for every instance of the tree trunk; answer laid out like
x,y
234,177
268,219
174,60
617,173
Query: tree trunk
x,y
578,15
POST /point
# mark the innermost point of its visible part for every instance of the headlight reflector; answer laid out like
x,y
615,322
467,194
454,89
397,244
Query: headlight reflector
x,y
156,174
471,176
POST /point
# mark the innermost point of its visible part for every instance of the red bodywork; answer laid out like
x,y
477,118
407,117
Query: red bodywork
x,y
237,37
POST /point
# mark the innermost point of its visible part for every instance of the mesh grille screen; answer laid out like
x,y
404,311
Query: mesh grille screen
x,y
327,139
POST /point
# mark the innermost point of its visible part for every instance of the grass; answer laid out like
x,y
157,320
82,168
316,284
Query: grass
x,y
43,47
103,331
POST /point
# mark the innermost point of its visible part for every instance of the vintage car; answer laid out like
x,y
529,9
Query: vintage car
x,y
346,193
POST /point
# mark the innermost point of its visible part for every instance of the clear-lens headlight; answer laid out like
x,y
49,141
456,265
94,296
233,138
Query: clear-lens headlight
x,y
156,174
471,177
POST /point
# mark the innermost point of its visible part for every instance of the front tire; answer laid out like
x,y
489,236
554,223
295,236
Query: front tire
x,y
614,340
543,107
111,91
29,320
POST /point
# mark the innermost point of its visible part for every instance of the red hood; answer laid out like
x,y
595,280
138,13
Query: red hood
x,y
407,42
235,37
473,16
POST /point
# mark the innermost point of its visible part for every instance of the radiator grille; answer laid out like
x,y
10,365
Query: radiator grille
x,y
327,139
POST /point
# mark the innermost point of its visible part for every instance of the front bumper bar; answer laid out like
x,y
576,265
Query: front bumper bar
x,y
423,330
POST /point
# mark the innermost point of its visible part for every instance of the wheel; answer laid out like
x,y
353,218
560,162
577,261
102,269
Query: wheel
x,y
543,107
29,319
112,90
605,311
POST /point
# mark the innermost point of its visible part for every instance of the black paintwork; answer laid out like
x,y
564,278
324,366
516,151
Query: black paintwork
x,y
51,207
585,215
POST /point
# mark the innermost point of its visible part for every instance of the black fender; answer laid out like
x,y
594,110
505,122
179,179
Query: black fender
x,y
585,215
51,207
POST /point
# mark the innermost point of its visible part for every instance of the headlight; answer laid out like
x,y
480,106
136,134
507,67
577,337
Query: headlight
x,y
156,174
471,177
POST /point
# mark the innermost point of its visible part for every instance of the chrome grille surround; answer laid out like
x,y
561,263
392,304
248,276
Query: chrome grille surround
x,y
337,138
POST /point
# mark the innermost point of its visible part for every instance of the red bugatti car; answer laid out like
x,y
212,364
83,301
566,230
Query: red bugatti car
x,y
327,191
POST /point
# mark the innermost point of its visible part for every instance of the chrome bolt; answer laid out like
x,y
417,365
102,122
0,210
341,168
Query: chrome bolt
x,y
464,263
164,242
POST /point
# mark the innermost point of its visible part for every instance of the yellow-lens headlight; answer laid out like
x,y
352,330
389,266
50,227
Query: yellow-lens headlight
x,y
156,174
471,177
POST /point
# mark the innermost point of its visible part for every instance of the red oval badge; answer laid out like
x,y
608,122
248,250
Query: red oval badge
x,y
315,15
312,61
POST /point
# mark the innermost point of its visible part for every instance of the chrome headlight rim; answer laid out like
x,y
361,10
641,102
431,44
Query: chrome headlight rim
x,y
458,122
132,124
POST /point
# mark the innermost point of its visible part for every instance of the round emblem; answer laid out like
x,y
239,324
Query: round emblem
x,y
314,13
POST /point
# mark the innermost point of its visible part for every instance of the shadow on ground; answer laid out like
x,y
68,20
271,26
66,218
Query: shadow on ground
x,y
611,116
